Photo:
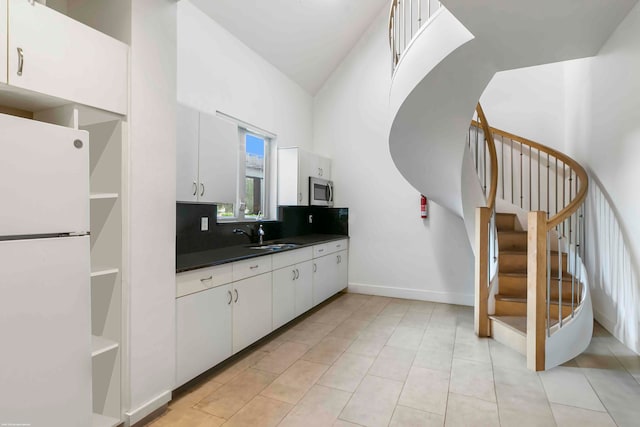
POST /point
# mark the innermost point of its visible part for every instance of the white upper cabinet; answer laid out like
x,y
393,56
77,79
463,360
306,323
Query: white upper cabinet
x,y
207,157
295,166
218,160
52,54
188,122
3,46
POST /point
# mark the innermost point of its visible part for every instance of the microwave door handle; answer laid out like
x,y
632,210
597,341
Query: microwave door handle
x,y
330,187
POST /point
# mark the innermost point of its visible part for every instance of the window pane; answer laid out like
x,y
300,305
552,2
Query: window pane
x,y
225,210
254,176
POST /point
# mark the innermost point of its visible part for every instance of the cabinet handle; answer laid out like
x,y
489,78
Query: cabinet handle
x,y
297,274
315,268
201,189
195,188
294,274
230,298
20,61
338,260
206,278
320,251
236,291
300,197
253,267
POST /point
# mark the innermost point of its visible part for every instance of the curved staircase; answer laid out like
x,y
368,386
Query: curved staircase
x,y
522,202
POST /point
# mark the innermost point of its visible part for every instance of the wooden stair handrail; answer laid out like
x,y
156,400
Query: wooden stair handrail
x,y
579,170
488,135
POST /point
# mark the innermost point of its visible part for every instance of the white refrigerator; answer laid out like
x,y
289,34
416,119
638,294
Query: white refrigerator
x,y
45,295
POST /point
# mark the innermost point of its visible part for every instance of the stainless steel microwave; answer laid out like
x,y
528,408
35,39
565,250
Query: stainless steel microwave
x,y
320,192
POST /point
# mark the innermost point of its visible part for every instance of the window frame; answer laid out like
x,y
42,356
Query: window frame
x,y
240,202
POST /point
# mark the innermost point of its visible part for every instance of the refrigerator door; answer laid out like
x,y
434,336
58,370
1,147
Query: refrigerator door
x,y
45,332
44,178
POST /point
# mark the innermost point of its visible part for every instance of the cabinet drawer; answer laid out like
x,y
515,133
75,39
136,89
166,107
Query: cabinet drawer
x,y
201,279
291,257
329,248
251,267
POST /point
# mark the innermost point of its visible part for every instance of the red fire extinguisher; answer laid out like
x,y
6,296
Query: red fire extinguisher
x,y
423,206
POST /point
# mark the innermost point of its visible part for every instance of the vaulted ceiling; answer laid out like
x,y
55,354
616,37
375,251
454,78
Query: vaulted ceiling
x,y
305,39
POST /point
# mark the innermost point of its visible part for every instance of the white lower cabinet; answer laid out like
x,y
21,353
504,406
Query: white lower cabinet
x,y
252,310
284,295
330,275
304,287
204,331
325,275
222,310
292,292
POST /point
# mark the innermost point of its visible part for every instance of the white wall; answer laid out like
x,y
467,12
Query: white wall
x,y
604,133
217,72
529,102
392,251
152,223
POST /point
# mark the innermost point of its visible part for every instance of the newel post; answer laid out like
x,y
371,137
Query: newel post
x,y
536,290
481,314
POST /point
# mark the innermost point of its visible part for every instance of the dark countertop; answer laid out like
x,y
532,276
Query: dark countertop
x,y
195,260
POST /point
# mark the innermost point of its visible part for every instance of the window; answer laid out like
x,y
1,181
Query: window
x,y
253,168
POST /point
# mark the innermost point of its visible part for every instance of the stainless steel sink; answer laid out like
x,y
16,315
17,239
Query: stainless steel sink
x,y
275,246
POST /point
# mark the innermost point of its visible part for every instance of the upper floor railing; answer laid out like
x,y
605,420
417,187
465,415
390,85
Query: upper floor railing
x,y
406,17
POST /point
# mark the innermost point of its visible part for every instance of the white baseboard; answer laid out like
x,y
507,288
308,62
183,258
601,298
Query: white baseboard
x,y
417,294
136,415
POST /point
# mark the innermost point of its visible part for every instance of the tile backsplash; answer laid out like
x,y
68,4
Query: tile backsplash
x,y
191,218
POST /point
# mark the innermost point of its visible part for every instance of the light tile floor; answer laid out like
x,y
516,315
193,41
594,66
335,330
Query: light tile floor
x,y
363,360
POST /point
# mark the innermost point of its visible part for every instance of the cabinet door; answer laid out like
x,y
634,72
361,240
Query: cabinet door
x,y
3,46
218,161
324,278
305,170
252,310
203,339
188,122
342,278
284,295
324,167
304,287
53,54
288,183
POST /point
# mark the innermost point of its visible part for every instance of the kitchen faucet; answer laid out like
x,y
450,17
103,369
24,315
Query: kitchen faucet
x,y
260,232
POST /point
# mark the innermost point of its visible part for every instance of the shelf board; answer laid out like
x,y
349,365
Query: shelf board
x,y
104,271
104,421
100,345
103,196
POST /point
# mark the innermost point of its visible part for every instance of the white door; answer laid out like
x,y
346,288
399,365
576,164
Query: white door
x,y
203,329
187,136
53,54
3,46
289,188
218,165
44,178
45,374
284,295
304,287
252,310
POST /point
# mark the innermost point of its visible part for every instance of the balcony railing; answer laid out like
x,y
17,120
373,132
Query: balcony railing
x,y
406,18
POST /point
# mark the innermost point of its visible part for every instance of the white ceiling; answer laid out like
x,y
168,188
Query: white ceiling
x,y
305,39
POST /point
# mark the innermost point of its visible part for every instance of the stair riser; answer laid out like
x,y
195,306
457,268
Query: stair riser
x,y
505,222
512,242
517,263
517,287
508,337
517,308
